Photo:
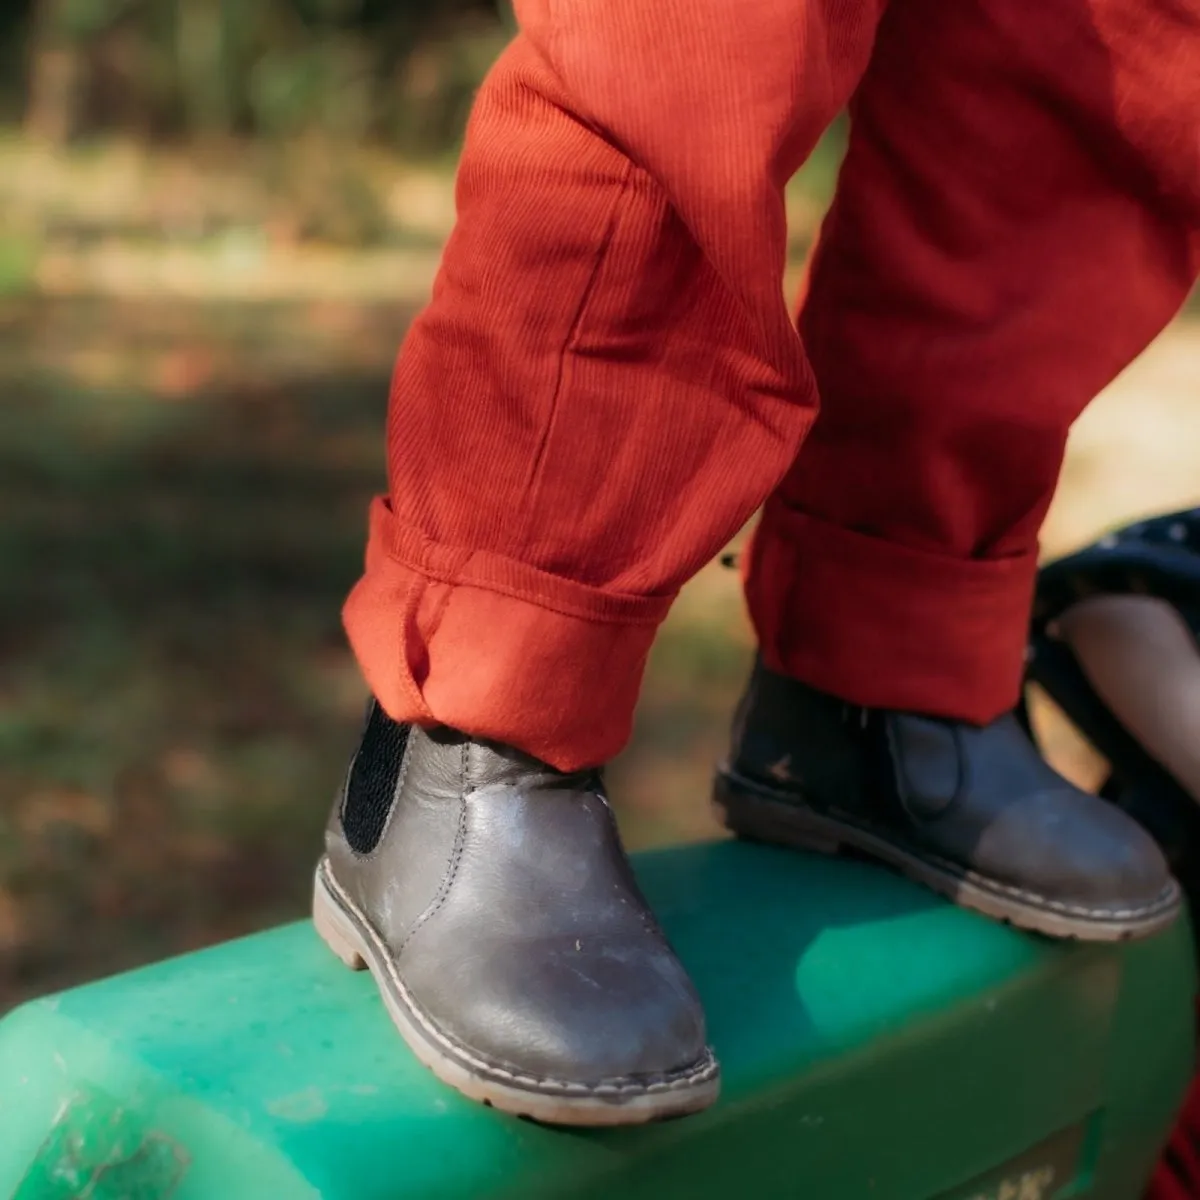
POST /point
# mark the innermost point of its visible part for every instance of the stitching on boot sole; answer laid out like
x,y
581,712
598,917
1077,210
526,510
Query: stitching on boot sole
x,y
621,1086
1166,898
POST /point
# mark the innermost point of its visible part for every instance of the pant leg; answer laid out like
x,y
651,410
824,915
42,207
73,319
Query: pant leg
x,y
1017,217
607,382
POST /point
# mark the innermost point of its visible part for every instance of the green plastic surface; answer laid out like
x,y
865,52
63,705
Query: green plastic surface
x,y
877,1043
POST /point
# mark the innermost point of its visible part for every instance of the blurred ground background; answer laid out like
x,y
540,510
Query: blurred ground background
x,y
216,220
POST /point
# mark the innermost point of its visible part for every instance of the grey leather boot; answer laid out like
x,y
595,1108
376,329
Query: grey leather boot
x,y
492,900
973,812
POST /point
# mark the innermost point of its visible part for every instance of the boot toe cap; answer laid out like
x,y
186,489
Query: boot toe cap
x,y
1077,850
576,1012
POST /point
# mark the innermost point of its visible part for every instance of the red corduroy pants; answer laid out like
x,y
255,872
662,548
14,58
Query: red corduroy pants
x,y
608,382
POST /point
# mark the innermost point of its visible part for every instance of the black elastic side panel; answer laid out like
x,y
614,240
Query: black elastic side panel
x,y
371,788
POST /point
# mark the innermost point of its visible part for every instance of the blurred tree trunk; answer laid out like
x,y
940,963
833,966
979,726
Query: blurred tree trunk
x,y
56,74
202,53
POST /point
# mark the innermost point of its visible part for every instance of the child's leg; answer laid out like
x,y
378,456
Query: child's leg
x,y
607,382
1018,216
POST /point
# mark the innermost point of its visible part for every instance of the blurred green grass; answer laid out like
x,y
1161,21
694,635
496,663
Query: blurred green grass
x,y
176,691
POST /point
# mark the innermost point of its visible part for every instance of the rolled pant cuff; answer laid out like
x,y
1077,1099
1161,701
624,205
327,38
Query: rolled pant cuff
x,y
497,649
885,626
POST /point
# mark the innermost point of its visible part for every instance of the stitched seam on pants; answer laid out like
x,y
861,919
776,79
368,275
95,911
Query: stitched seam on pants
x,y
589,288
970,571
435,618
661,603
408,618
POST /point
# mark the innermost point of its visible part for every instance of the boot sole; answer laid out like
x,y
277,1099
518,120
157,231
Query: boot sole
x,y
347,932
757,813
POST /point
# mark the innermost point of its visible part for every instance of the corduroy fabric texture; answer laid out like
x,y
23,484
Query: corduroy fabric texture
x,y
608,382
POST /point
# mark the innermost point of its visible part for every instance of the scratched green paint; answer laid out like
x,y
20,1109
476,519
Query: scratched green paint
x,y
99,1149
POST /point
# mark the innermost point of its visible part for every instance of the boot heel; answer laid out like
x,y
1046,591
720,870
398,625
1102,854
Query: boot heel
x,y
774,823
330,927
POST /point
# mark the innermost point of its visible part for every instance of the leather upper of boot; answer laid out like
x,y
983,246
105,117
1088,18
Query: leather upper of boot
x,y
511,914
979,797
